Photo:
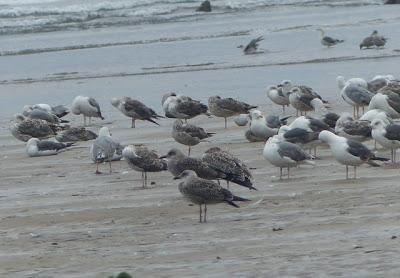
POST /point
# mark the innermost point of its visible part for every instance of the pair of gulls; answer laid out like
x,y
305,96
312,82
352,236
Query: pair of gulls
x,y
301,97
373,40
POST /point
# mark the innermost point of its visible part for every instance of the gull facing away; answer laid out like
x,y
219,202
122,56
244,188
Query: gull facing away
x,y
204,192
182,107
228,107
349,152
143,160
388,102
342,82
387,135
328,41
135,109
349,128
103,148
227,164
75,134
284,154
242,119
302,137
357,97
304,98
86,106
25,128
277,96
252,47
188,134
36,147
381,81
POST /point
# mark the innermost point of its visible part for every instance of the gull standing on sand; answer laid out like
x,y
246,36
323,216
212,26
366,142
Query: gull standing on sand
x,y
36,147
188,134
86,106
328,41
182,107
388,102
143,160
232,167
259,127
342,82
252,47
135,109
25,128
227,107
285,154
277,96
302,137
387,135
204,192
349,152
349,128
103,148
75,134
357,97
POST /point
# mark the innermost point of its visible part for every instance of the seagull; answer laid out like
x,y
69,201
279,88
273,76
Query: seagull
x,y
277,96
388,102
388,135
330,119
76,134
276,121
352,129
141,159
349,152
376,114
328,41
25,128
103,148
357,97
251,137
252,47
230,166
228,107
36,147
188,134
182,107
285,154
379,41
37,113
86,106
309,124
304,98
135,109
342,82
259,127
378,82
203,192
58,110
302,137
242,119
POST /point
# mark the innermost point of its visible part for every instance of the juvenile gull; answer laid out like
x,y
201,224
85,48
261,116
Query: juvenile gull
x,y
349,152
387,135
135,109
304,98
182,107
352,129
277,96
36,147
86,106
252,47
103,148
25,128
188,134
230,166
357,97
373,40
76,134
378,82
227,107
203,192
285,154
330,119
328,41
259,127
143,160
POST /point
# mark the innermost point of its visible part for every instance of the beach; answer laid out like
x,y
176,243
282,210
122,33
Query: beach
x,y
59,219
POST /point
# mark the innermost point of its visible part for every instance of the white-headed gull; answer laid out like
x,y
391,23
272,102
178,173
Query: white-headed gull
x,y
387,135
86,106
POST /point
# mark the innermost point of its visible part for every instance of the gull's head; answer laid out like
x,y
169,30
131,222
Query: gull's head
x,y
374,33
255,114
104,131
32,142
326,136
272,87
344,118
378,124
173,153
185,174
294,90
115,102
321,31
19,117
283,129
177,124
240,46
341,82
286,84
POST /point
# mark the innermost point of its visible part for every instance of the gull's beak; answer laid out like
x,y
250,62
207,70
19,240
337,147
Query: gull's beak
x,y
177,178
163,156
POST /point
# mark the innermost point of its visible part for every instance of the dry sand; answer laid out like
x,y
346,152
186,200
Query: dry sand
x,y
59,219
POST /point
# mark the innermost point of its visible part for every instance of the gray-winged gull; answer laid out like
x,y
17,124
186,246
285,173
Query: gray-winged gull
x,y
103,148
188,134
302,137
86,106
242,119
58,110
252,46
357,97
388,102
204,192
36,147
135,109
387,135
373,40
25,128
328,41
284,154
182,107
276,95
349,128
143,160
230,166
304,98
259,127
342,82
75,134
251,137
349,152
227,107
35,113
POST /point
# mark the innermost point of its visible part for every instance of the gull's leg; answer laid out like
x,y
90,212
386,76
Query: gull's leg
x,y
84,120
288,172
225,123
280,173
205,213
394,155
227,184
132,123
200,214
189,151
315,151
145,178
283,109
354,112
355,172
97,169
110,166
363,109
90,120
347,172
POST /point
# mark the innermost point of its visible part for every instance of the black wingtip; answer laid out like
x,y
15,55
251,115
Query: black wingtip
x,y
232,203
154,122
240,199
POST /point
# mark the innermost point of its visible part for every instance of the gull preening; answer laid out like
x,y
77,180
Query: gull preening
x,y
75,134
143,160
103,148
182,107
36,147
328,41
252,46
203,192
357,97
387,135
188,134
86,106
135,109
58,110
42,114
278,96
228,107
349,152
357,130
342,82
25,128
